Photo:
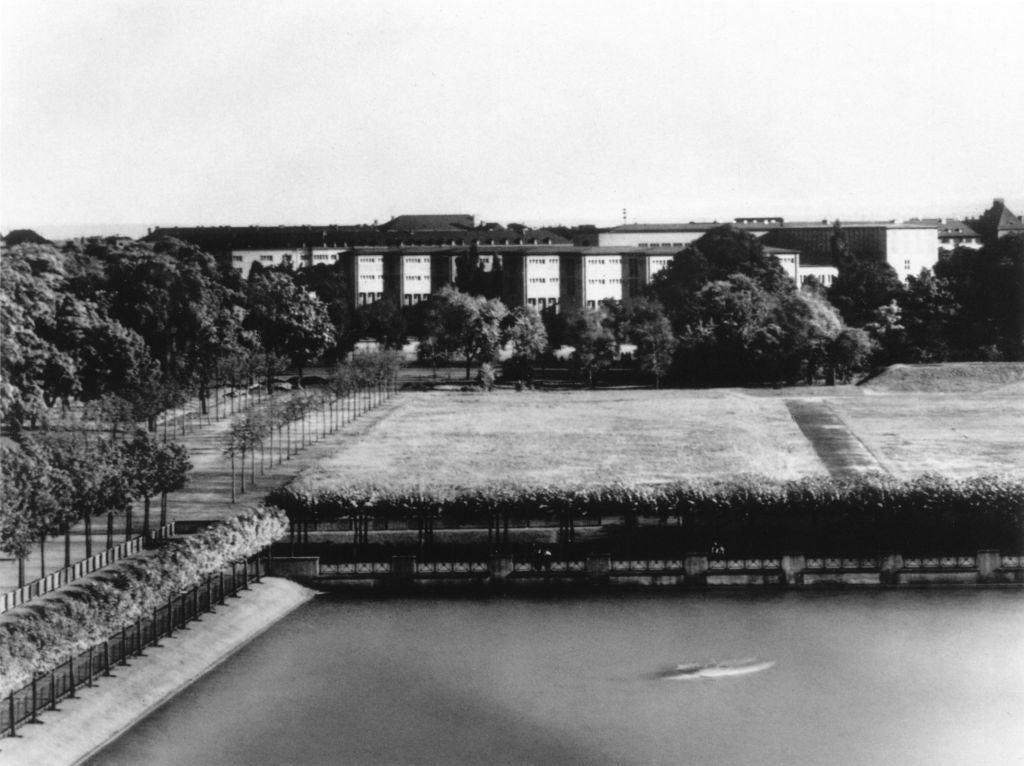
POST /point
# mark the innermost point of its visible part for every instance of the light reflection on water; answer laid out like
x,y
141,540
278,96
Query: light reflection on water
x,y
894,677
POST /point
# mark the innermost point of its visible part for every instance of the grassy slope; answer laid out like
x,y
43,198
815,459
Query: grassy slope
x,y
953,434
573,437
950,377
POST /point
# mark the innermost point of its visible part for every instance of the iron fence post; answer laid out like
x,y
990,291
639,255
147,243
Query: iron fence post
x,y
34,719
10,707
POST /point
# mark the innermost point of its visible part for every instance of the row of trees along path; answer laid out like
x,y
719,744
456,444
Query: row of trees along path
x,y
320,427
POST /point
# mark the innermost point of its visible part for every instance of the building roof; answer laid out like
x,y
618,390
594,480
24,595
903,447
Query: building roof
x,y
997,221
955,228
431,222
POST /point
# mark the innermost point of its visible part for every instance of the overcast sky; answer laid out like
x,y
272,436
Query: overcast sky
x,y
267,112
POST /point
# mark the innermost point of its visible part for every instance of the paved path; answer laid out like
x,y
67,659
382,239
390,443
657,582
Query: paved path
x,y
208,493
843,454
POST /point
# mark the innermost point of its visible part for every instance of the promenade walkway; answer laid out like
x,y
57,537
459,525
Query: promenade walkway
x,y
207,496
843,454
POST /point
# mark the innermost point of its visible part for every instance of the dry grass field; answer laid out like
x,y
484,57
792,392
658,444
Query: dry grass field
x,y
955,435
577,437
585,437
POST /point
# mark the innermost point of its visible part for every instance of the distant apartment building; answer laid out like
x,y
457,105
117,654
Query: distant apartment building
x,y
907,247
365,272
410,257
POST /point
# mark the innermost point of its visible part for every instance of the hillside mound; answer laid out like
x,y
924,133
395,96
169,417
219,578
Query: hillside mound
x,y
950,378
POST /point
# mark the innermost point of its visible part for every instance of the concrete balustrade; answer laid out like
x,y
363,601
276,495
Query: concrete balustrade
x,y
695,570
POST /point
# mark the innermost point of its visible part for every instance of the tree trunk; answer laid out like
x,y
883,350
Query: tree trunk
x,y
21,571
145,515
67,546
42,556
88,535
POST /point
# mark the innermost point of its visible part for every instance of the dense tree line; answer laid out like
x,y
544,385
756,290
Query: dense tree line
x,y
724,312
969,308
99,339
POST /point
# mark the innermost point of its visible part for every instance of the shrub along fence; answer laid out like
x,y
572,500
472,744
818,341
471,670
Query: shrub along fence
x,y
97,561
24,705
46,633
749,516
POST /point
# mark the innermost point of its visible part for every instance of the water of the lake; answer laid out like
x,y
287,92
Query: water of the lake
x,y
909,677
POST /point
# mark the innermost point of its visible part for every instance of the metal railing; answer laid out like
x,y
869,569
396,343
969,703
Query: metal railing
x,y
62,577
25,705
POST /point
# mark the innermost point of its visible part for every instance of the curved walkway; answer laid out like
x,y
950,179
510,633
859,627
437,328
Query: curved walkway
x,y
843,454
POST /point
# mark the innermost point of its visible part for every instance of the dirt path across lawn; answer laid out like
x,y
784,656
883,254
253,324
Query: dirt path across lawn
x,y
843,454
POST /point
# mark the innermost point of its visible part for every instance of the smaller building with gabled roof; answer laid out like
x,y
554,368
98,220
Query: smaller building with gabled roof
x,y
998,221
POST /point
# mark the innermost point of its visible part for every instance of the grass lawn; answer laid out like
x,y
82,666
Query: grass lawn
x,y
572,437
586,437
956,435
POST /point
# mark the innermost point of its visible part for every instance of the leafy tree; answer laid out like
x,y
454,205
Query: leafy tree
x,y
716,256
153,467
850,352
100,476
172,466
930,315
330,284
646,325
594,343
384,321
467,325
35,498
812,325
27,356
737,337
987,285
861,287
288,320
523,329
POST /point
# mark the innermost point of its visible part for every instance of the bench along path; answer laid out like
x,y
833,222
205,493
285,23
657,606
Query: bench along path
x,y
843,454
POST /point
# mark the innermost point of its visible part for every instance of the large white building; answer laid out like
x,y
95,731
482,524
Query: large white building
x,y
907,247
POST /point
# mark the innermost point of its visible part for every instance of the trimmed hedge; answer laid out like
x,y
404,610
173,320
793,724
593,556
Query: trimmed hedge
x,y
930,513
46,632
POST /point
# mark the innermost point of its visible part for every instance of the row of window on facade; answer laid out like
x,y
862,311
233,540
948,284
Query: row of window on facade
x,y
660,244
409,298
